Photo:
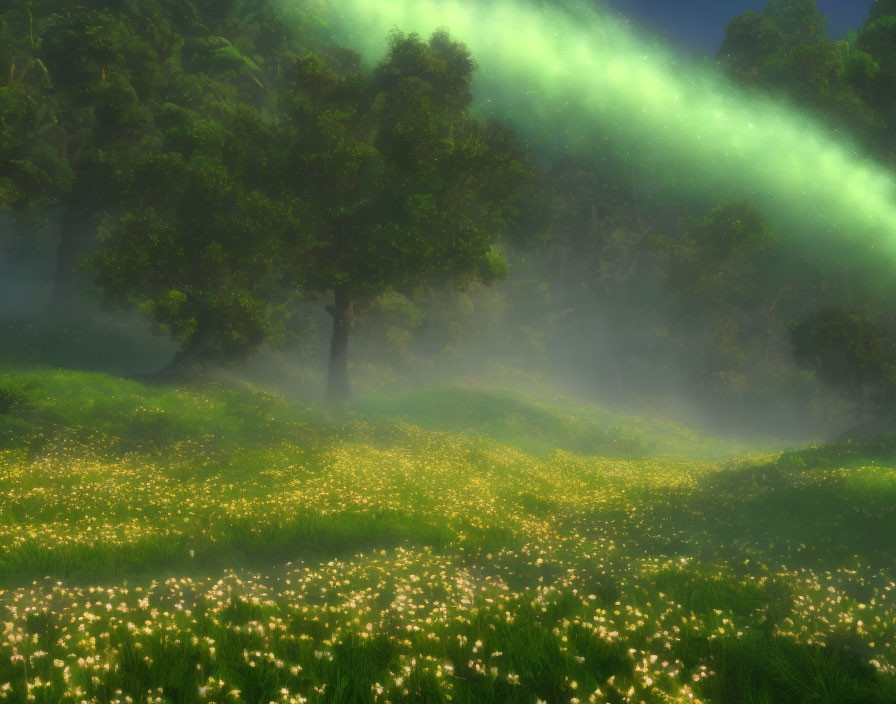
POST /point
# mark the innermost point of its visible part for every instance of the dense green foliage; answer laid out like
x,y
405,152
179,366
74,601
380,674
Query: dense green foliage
x,y
202,255
851,351
239,163
785,49
406,189
215,165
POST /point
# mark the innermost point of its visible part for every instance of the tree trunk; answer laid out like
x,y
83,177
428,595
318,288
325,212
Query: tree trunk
x,y
188,363
561,281
861,402
343,319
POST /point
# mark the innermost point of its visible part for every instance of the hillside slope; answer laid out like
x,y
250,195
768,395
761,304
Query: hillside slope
x,y
219,544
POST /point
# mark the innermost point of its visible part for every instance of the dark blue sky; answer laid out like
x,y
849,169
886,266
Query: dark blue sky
x,y
698,24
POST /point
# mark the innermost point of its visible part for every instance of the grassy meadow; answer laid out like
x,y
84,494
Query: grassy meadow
x,y
219,544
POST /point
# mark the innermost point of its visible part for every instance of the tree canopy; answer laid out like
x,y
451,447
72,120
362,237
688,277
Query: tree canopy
x,y
213,163
406,186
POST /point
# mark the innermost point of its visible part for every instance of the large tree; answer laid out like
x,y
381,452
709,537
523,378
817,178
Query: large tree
x,y
204,236
784,49
407,186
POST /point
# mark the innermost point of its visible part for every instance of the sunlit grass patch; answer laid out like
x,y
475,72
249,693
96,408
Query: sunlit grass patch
x,y
212,544
542,425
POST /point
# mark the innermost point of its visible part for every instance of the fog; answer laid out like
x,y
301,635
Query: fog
x,y
571,80
322,385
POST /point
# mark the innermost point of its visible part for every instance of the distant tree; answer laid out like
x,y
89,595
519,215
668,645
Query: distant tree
x,y
862,72
817,75
588,232
85,82
880,8
724,291
875,77
878,38
34,171
105,74
33,174
850,351
721,257
785,49
406,187
798,21
750,39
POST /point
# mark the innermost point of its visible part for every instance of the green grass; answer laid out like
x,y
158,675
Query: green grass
x,y
215,544
542,425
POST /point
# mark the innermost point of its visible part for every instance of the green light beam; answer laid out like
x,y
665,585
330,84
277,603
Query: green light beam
x,y
577,78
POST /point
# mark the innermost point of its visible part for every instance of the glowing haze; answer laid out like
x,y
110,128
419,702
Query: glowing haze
x,y
573,77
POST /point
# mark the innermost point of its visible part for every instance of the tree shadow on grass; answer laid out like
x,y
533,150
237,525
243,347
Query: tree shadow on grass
x,y
766,668
799,510
311,539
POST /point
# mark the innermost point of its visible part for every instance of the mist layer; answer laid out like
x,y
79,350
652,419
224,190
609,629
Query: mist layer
x,y
573,78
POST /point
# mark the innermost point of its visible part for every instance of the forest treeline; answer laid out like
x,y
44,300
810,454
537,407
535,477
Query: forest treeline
x,y
221,167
